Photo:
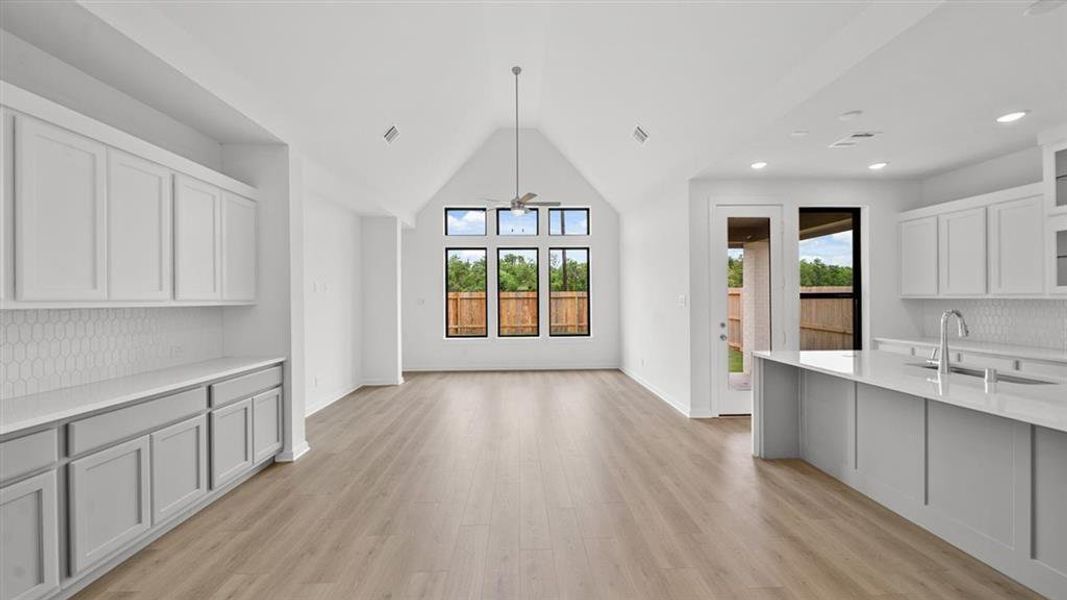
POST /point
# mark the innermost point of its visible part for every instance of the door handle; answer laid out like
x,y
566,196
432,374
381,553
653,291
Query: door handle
x,y
722,337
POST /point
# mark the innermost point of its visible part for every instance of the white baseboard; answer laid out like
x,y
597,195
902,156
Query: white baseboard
x,y
383,381
512,367
678,406
295,454
329,399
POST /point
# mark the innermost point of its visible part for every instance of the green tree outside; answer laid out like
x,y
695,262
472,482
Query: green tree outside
x,y
577,273
517,271
813,273
464,275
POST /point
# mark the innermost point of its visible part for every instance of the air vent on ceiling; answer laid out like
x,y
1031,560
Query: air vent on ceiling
x,y
391,135
640,135
855,138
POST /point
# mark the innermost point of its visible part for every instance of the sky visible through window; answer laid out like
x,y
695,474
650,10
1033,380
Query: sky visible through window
x,y
465,222
833,249
512,224
574,222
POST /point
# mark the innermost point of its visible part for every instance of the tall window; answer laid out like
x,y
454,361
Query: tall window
x,y
830,289
568,221
466,314
568,295
508,223
517,301
464,221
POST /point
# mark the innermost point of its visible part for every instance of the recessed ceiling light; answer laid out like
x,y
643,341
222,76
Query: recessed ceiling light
x,y
850,115
799,133
758,165
1012,116
878,166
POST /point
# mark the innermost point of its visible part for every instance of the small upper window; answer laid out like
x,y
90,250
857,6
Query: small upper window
x,y
568,221
509,223
464,221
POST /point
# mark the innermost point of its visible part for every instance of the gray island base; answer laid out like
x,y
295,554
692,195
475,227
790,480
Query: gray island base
x,y
981,467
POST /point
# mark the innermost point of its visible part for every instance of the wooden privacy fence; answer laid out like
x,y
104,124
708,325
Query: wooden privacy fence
x,y
734,316
466,314
825,323
568,311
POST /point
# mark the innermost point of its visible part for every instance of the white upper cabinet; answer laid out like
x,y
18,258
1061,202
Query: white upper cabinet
x,y
239,248
962,253
197,240
1017,247
918,257
60,214
139,224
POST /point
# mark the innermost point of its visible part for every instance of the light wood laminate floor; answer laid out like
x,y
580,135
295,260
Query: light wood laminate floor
x,y
542,485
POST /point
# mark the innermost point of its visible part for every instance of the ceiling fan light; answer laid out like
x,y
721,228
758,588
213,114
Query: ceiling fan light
x,y
518,211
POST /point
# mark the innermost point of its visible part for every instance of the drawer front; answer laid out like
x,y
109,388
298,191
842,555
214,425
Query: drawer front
x,y
231,442
108,501
107,428
28,453
179,467
29,546
245,386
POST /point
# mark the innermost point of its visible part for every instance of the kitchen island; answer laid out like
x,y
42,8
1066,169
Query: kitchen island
x,y
983,466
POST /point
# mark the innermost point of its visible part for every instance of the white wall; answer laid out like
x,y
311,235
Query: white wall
x,y
381,260
490,173
654,286
34,70
333,291
1006,171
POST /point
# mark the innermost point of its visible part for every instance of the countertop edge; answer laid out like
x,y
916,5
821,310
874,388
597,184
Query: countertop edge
x,y
133,395
1031,420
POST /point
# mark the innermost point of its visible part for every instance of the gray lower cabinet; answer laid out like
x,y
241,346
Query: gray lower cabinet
x,y
179,467
29,538
267,424
109,500
231,442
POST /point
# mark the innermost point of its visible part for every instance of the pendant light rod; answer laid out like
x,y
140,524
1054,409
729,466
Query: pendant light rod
x,y
516,70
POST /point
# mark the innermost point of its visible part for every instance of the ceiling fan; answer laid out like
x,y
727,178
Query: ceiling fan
x,y
519,205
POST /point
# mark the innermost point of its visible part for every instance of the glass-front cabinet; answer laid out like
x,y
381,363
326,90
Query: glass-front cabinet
x,y
1056,176
1057,245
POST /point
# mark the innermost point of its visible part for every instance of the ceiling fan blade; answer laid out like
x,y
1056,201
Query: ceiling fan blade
x,y
528,196
542,203
492,202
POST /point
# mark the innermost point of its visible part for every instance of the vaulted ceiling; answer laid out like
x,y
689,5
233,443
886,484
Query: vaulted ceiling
x,y
716,85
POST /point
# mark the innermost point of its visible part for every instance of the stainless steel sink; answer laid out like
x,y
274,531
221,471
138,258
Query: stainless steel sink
x,y
979,373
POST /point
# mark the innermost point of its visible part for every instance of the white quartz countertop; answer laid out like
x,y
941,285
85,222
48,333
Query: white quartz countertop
x,y
1044,405
988,348
24,412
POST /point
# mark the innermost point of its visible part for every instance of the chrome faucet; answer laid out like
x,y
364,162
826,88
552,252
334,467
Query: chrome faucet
x,y
942,359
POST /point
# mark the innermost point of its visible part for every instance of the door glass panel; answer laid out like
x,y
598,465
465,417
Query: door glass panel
x,y
748,296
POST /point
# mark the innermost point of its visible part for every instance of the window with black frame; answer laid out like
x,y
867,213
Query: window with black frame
x,y
830,282
517,293
568,296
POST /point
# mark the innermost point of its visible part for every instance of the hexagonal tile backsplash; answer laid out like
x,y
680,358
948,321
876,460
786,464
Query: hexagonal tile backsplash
x,y
42,350
1039,323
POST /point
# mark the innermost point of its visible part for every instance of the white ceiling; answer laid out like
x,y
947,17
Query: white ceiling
x,y
717,85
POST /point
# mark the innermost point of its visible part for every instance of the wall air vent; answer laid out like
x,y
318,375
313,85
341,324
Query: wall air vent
x,y
640,135
854,139
391,135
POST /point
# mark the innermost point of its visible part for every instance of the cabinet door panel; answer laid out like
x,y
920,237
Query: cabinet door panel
x,y
139,226
267,423
1016,247
197,246
29,538
231,442
179,467
962,252
60,214
109,502
238,248
918,257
